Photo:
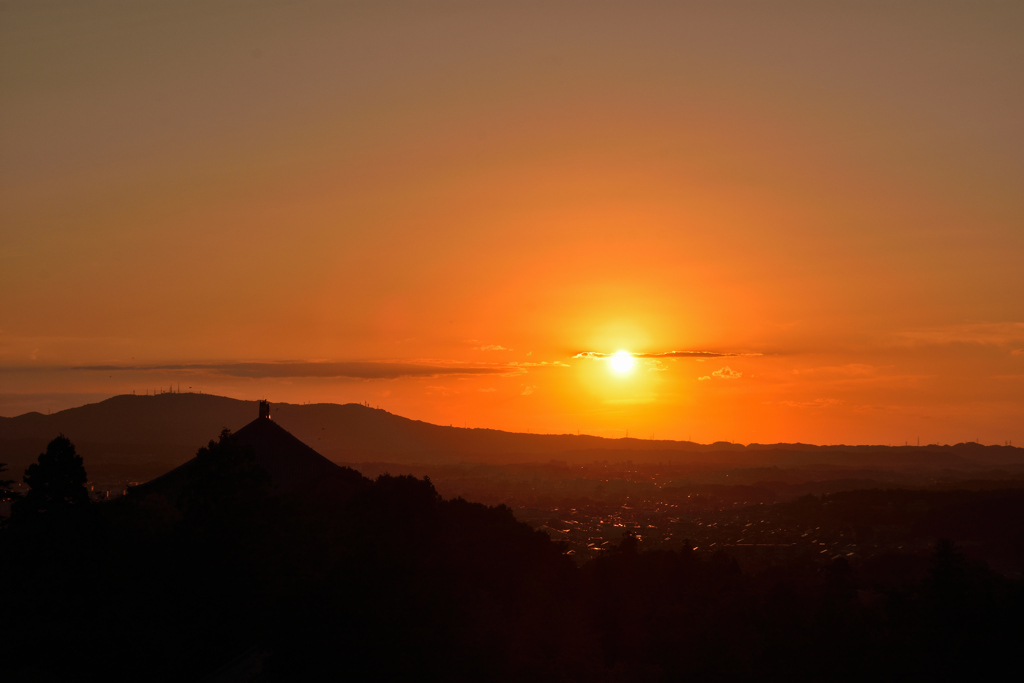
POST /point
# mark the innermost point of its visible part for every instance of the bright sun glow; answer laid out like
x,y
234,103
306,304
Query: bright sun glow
x,y
622,361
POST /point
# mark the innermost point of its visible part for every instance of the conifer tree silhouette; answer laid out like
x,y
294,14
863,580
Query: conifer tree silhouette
x,y
56,483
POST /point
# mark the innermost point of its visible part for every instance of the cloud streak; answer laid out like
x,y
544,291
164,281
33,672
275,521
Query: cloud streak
x,y
983,334
667,354
306,369
539,364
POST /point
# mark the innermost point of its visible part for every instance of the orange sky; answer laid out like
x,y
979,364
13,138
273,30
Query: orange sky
x,y
435,208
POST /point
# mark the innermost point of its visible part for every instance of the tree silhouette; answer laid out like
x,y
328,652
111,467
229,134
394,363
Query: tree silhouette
x,y
6,493
56,483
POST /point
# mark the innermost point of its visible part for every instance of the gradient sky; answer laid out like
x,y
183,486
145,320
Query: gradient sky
x,y
436,207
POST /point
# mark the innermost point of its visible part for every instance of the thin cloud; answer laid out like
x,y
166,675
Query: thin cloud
x,y
984,334
493,347
848,370
722,373
306,369
816,403
667,354
540,364
521,368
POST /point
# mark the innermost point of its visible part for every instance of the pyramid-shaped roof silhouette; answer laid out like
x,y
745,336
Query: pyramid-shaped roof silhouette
x,y
292,466
290,463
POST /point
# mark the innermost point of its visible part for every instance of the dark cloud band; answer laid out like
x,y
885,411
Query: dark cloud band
x,y
351,370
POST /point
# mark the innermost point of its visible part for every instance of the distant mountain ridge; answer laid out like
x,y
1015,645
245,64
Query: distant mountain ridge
x,y
150,434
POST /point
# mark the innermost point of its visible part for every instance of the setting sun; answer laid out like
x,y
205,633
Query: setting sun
x,y
302,290
622,361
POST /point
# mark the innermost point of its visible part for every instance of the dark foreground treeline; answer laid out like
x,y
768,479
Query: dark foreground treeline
x,y
383,580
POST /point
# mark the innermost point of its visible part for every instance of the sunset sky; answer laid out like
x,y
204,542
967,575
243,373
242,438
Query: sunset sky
x,y
806,219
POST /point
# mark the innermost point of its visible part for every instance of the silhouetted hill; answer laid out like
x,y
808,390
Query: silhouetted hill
x,y
138,436
145,436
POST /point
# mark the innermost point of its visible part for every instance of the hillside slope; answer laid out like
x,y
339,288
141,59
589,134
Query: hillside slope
x,y
146,435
